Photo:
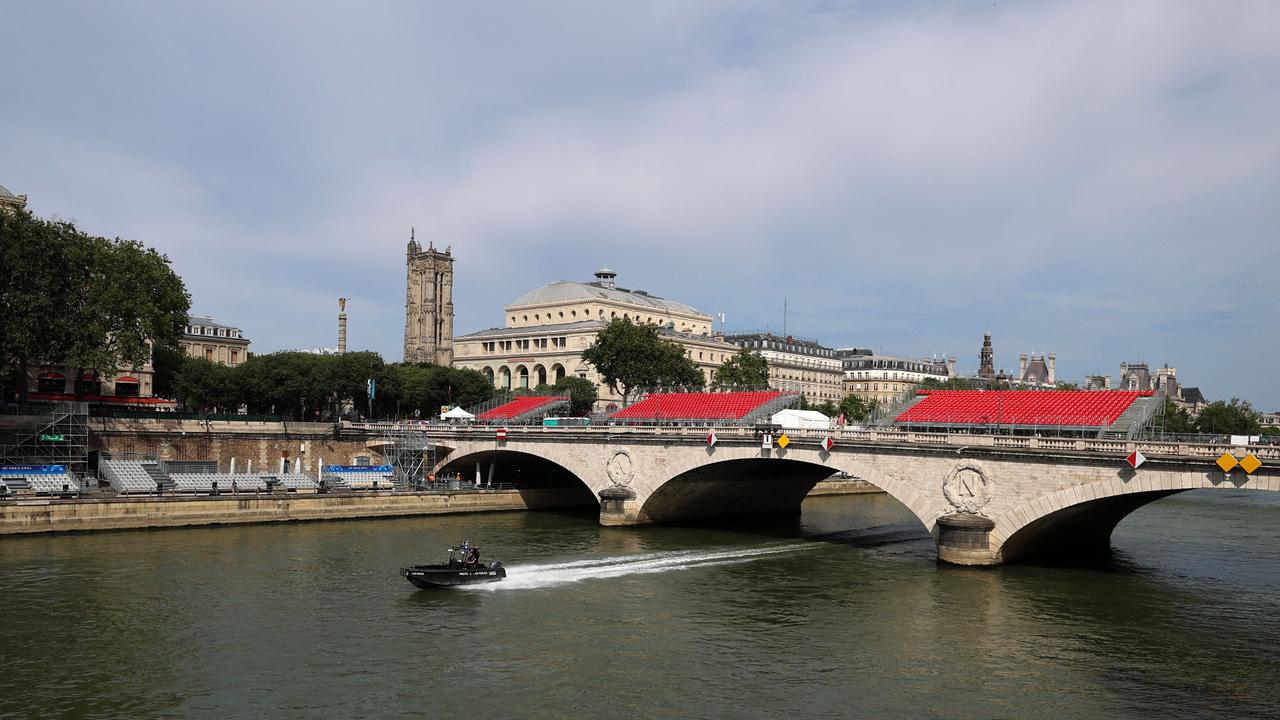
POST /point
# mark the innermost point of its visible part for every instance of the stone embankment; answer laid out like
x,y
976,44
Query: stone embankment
x,y
45,515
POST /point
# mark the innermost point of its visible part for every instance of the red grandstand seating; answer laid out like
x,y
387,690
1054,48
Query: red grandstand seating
x,y
696,406
518,406
1081,408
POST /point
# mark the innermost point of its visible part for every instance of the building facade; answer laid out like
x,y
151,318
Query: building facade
x,y
1037,370
547,329
797,365
428,305
215,342
886,378
10,202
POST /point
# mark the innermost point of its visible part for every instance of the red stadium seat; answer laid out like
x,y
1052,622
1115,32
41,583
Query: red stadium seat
x,y
1081,408
518,406
696,406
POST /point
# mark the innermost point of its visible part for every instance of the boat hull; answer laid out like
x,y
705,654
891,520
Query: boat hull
x,y
428,576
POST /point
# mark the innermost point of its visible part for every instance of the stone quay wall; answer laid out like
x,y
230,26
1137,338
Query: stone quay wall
x,y
123,513
263,443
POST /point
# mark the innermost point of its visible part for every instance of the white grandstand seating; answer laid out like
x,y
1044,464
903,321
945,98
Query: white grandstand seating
x,y
53,484
363,480
127,476
226,482
298,481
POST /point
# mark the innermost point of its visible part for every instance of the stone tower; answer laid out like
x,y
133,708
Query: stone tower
x,y
428,305
986,359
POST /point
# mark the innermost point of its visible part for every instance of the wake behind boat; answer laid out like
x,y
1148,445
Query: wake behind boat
x,y
462,568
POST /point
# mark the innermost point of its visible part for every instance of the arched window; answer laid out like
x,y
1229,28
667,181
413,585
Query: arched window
x,y
504,378
522,373
541,374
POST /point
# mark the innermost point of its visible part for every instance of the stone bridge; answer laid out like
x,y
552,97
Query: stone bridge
x,y
985,499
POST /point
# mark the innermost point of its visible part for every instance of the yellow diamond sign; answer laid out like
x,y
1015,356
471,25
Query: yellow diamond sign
x,y
783,441
1227,462
1250,463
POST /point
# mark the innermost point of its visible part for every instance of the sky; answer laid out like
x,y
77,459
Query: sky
x,y
1098,180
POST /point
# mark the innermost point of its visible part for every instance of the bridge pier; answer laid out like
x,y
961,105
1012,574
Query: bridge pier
x,y
965,539
618,506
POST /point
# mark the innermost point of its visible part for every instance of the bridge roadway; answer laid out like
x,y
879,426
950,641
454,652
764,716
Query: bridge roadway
x,y
985,499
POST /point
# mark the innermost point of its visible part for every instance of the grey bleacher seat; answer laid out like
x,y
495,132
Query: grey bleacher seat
x,y
54,484
127,476
298,481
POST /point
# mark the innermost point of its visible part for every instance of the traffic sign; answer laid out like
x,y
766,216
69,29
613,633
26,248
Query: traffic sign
x,y
766,441
502,434
1135,459
52,438
1227,462
828,443
783,441
712,440
1250,463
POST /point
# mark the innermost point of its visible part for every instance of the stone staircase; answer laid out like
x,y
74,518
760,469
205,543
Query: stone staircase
x,y
155,472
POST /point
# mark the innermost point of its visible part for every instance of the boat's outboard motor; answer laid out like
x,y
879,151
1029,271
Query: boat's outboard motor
x,y
495,565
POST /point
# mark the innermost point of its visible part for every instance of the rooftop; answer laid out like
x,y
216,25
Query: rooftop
x,y
562,291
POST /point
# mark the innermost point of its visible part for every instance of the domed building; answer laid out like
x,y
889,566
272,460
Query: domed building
x,y
546,330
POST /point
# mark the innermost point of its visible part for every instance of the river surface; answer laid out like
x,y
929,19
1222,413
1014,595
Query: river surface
x,y
841,613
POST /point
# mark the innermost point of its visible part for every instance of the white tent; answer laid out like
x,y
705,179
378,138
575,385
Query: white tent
x,y
458,414
801,420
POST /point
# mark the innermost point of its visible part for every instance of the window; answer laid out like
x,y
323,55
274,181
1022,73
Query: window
x,y
51,382
235,356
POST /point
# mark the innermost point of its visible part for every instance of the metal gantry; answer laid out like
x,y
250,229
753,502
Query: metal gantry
x,y
411,454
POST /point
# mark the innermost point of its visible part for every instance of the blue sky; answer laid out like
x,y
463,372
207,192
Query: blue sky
x,y
1099,180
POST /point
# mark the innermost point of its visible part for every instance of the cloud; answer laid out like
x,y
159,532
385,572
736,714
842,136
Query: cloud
x,y
1085,178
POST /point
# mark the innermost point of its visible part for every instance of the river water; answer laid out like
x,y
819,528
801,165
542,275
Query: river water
x,y
840,613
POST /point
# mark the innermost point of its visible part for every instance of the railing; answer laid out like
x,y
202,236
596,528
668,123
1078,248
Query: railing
x,y
698,433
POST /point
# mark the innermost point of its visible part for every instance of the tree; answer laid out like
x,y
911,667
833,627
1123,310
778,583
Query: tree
x,y
630,356
746,370
828,408
205,386
166,362
1234,418
39,292
1176,420
853,408
582,394
88,302
132,302
948,384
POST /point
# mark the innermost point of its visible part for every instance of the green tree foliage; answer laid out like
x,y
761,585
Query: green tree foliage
x,y
630,356
948,384
166,362
206,386
745,370
853,408
1229,418
1176,420
582,394
37,292
828,408
94,304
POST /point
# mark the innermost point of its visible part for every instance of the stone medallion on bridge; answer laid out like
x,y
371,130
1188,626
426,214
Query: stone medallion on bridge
x,y
620,468
967,487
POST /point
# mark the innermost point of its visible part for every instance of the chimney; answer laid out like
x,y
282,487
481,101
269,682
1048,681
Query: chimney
x,y
951,366
1053,369
342,325
1022,365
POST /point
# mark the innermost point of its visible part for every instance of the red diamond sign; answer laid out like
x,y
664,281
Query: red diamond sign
x,y
828,443
712,440
502,434
1135,459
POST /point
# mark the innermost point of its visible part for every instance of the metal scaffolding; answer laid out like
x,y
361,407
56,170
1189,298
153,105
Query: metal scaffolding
x,y
410,454
58,436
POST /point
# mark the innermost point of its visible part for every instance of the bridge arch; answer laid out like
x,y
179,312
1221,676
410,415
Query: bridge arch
x,y
740,482
527,472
